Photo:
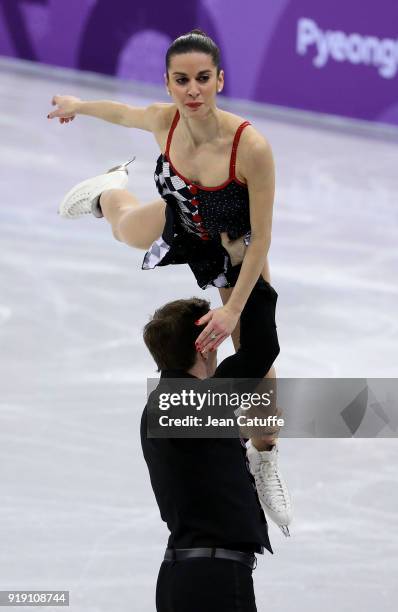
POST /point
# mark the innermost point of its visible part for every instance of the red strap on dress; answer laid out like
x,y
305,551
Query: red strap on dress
x,y
235,148
171,130
235,143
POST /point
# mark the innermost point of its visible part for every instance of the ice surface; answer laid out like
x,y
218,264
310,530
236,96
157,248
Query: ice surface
x,y
77,511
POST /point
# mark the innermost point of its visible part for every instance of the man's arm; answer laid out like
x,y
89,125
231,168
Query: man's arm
x,y
259,346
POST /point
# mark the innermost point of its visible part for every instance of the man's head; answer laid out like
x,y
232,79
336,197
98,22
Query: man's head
x,y
170,337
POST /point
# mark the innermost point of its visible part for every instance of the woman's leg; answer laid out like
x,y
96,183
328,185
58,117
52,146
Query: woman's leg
x,y
133,223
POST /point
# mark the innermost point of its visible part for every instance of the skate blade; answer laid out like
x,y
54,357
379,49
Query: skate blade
x,y
121,167
285,530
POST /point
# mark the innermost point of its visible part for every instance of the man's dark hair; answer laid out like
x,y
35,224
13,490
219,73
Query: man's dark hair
x,y
171,333
195,40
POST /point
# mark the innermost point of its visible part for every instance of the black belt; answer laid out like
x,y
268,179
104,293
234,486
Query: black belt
x,y
181,554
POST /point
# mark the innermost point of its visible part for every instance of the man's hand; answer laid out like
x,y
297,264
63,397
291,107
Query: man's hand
x,y
236,249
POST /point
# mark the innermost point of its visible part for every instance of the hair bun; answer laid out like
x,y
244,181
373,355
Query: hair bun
x,y
198,32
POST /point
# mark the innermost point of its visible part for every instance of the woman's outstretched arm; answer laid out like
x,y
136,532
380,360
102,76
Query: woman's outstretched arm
x,y
143,118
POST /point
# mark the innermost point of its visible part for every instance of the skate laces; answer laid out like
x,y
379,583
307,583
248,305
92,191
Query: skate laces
x,y
270,482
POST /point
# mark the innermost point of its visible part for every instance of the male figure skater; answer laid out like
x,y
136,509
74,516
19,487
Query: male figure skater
x,y
203,487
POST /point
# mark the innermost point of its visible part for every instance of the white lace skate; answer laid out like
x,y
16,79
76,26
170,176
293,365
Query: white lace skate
x,y
83,198
271,488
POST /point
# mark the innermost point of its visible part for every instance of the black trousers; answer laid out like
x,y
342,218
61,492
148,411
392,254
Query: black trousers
x,y
198,585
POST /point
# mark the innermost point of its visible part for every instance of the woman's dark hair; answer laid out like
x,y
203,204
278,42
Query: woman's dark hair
x,y
195,40
171,333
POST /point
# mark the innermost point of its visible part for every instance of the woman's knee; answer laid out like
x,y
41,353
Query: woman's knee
x,y
115,233
127,231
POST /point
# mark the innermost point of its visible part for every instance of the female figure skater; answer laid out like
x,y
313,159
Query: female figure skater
x,y
215,176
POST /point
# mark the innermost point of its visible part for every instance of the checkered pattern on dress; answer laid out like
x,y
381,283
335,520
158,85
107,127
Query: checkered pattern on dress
x,y
170,184
156,252
202,213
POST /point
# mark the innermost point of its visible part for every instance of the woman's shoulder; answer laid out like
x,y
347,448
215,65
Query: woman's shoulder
x,y
254,150
163,114
249,136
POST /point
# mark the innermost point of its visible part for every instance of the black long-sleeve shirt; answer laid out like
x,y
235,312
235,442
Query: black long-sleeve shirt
x,y
203,487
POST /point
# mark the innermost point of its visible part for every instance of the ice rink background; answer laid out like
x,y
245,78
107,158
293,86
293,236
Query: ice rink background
x,y
77,511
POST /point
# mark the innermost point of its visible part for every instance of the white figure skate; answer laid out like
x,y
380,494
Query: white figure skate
x,y
271,488
83,198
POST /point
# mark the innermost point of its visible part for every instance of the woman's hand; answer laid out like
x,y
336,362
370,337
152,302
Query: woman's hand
x,y
221,322
66,108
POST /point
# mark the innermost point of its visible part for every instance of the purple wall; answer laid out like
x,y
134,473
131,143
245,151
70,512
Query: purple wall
x,y
332,57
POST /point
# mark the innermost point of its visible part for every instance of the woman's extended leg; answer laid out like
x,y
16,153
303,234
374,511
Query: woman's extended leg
x,y
133,223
